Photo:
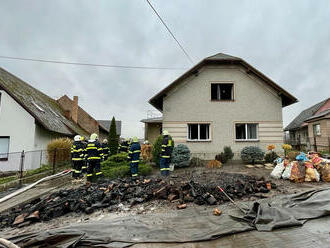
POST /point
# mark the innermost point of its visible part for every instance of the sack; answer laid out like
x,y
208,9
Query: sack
x,y
298,171
301,157
278,170
312,175
287,172
325,172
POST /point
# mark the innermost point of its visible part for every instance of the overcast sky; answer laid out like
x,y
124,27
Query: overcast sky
x,y
287,40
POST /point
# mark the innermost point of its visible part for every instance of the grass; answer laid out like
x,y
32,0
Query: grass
x,y
124,170
4,180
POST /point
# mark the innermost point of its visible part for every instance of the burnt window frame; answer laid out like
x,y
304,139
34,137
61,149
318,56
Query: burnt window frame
x,y
222,100
199,132
5,158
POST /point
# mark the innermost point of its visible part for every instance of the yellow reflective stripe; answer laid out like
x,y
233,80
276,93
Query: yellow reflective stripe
x,y
137,151
134,175
76,159
83,167
163,150
135,161
169,143
163,145
94,158
98,173
165,156
89,175
91,148
99,149
162,169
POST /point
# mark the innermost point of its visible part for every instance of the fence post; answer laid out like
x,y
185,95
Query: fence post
x,y
40,158
329,144
21,168
315,146
54,160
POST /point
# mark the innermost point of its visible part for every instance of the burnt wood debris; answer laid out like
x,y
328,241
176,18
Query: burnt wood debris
x,y
108,194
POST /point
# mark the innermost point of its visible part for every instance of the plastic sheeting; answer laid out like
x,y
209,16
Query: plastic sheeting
x,y
185,226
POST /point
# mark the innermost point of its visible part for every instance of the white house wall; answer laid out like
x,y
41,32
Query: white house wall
x,y
254,102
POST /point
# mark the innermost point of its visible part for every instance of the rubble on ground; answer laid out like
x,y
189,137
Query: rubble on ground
x,y
117,194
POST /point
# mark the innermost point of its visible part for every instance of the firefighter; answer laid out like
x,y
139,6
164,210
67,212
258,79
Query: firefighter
x,y
134,156
105,149
77,156
123,147
84,164
93,156
165,155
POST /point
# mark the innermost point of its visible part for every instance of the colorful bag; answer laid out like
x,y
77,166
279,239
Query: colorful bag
x,y
298,171
325,172
312,174
287,172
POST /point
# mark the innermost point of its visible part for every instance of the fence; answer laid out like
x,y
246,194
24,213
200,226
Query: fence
x,y
318,144
30,163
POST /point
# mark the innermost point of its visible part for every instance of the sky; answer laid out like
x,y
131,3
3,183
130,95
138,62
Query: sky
x,y
289,41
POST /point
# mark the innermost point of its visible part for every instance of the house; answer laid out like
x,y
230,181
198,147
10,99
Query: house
x,y
311,128
105,128
29,120
221,101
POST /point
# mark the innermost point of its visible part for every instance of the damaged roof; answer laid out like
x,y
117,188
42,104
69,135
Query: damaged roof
x,y
105,125
221,58
43,108
304,115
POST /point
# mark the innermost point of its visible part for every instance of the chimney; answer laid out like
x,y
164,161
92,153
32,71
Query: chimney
x,y
74,112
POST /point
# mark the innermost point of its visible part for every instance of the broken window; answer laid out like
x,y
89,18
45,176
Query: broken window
x,y
317,130
222,92
4,148
198,131
246,131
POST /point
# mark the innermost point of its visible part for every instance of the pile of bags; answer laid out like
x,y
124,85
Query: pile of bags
x,y
306,168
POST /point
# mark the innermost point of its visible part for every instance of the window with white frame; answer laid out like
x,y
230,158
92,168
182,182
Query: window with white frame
x,y
317,129
246,131
4,147
199,132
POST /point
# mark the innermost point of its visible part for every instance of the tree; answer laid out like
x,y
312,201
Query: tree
x,y
113,137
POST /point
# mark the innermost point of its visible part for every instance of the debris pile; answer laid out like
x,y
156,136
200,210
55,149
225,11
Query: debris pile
x,y
115,193
306,168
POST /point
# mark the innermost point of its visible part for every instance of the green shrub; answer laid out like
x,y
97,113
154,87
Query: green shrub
x,y
196,162
113,137
224,156
124,170
270,157
116,160
157,147
181,156
252,154
62,148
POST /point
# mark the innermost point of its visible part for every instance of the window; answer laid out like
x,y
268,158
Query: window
x,y
4,148
317,130
246,131
222,92
199,132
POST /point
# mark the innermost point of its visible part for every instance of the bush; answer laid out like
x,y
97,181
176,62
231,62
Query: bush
x,y
181,156
270,157
196,162
157,147
224,156
116,160
124,170
252,154
214,164
62,147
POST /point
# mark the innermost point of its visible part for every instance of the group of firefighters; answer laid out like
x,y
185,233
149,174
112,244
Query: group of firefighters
x,y
87,156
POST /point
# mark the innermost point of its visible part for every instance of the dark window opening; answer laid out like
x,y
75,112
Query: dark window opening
x,y
246,131
222,92
193,131
4,148
198,131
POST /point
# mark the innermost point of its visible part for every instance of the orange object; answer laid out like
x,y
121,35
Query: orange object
x,y
269,186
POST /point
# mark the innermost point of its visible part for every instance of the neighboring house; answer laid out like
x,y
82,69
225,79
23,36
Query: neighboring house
x,y
105,128
311,128
29,120
153,128
221,101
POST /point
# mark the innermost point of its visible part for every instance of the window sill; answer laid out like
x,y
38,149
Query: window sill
x,y
223,100
199,140
254,140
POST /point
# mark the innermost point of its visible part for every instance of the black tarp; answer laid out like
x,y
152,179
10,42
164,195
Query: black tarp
x,y
185,225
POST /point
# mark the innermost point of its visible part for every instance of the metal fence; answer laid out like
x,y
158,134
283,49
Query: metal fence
x,y
28,163
316,143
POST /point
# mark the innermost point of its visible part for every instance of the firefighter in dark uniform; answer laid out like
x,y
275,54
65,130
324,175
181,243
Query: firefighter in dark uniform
x,y
84,165
105,149
134,157
77,156
123,147
165,155
93,156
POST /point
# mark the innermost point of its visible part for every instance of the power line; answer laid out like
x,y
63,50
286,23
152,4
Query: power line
x,y
168,29
94,65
